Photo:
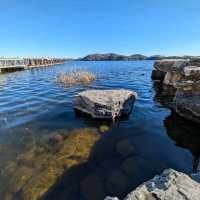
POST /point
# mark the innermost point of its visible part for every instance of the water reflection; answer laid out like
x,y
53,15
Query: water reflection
x,y
164,94
66,165
113,168
40,157
186,135
36,167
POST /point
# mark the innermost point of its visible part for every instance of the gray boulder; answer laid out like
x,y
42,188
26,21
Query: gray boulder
x,y
167,65
187,102
170,185
168,70
105,104
184,77
187,98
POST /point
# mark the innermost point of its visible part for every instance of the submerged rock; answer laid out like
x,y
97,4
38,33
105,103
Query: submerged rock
x,y
117,182
34,172
92,187
125,148
56,139
170,185
105,104
75,150
133,167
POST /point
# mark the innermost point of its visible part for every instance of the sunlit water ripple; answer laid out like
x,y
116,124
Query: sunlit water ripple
x,y
34,102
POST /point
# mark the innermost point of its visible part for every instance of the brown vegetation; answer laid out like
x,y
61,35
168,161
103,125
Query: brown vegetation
x,y
76,77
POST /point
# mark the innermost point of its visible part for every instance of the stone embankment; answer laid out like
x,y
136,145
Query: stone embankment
x,y
170,185
184,77
17,64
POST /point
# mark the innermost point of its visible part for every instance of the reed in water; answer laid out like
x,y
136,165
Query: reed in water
x,y
79,77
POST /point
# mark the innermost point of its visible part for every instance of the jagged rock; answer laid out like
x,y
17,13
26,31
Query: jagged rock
x,y
168,65
187,98
171,71
172,77
187,105
107,104
75,150
168,70
184,76
170,185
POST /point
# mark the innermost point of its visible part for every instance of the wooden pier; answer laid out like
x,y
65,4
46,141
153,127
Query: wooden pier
x,y
18,64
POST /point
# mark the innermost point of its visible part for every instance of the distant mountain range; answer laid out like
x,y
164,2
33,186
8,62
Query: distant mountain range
x,y
113,56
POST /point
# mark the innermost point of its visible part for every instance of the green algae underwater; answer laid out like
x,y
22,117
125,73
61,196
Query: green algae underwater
x,y
36,170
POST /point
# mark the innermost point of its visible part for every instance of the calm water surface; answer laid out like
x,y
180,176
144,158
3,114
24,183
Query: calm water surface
x,y
33,107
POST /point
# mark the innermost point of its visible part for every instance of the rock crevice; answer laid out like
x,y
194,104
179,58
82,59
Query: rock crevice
x,y
184,77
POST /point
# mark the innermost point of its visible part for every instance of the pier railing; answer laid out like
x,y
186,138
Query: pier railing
x,y
15,64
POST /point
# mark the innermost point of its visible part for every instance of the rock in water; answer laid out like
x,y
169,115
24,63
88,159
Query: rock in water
x,y
158,75
168,70
170,185
92,188
105,104
184,77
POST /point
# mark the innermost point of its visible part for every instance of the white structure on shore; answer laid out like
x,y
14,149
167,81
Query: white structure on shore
x,y
15,64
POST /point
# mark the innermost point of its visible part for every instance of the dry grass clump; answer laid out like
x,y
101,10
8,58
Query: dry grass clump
x,y
76,77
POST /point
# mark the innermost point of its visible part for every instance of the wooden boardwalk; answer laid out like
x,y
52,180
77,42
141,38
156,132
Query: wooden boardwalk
x,y
19,64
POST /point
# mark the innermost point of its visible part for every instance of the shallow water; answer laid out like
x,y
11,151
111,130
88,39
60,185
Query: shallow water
x,y
33,107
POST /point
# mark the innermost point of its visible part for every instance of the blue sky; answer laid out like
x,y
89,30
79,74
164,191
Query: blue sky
x,y
75,28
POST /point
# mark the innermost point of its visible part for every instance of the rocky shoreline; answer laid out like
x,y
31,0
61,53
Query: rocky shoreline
x,y
183,75
170,185
177,84
53,166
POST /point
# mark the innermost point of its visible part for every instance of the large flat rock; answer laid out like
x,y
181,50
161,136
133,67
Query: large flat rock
x,y
105,104
170,185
